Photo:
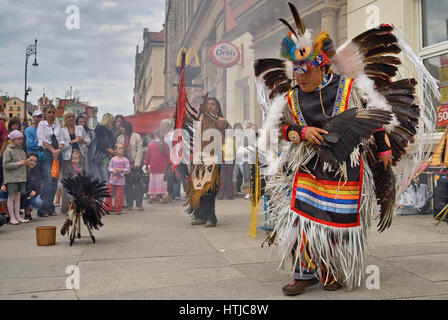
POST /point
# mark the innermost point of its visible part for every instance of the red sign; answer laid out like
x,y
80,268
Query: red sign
x,y
224,54
442,116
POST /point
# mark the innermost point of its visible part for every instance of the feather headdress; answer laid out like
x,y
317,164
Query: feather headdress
x,y
299,47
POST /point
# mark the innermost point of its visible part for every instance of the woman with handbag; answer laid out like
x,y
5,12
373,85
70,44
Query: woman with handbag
x,y
50,143
102,149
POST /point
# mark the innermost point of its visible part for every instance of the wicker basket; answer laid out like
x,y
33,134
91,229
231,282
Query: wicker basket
x,y
46,235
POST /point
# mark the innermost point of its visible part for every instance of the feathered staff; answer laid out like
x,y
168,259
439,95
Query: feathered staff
x,y
184,118
87,203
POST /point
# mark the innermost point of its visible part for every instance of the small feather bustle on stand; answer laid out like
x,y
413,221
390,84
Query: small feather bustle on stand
x,y
87,203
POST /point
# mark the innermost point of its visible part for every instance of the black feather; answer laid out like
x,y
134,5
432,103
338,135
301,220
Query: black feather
x,y
382,29
298,20
286,23
273,77
281,88
343,139
393,49
384,189
384,69
263,65
383,59
375,41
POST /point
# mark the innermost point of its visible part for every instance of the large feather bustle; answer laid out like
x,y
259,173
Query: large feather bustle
x,y
87,196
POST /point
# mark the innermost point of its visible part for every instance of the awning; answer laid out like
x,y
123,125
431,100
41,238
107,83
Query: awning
x,y
149,122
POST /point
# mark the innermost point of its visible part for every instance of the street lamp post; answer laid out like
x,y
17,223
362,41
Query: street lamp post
x,y
30,50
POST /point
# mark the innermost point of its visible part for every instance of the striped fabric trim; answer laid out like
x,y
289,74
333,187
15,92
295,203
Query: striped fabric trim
x,y
343,95
294,105
325,204
327,196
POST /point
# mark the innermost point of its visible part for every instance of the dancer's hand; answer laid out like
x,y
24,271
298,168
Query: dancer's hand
x,y
313,135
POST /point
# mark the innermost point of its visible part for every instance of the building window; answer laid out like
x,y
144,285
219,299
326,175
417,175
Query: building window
x,y
18,115
19,109
434,52
434,22
15,102
11,109
438,67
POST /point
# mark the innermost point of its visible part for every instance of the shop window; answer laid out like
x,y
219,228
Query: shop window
x,y
434,52
438,67
434,21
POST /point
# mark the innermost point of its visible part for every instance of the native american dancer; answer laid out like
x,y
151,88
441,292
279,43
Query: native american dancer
x,y
347,121
197,151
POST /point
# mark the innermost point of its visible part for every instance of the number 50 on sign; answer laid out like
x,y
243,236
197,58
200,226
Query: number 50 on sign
x,y
442,116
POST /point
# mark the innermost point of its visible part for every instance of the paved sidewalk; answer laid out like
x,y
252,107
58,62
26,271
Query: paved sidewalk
x,y
157,254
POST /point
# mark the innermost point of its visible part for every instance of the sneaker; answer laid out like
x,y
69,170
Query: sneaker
x,y
210,224
197,222
15,222
298,286
21,220
246,196
28,217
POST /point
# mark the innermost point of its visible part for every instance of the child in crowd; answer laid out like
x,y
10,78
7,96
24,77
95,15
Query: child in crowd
x,y
157,157
77,163
30,199
75,168
14,175
119,166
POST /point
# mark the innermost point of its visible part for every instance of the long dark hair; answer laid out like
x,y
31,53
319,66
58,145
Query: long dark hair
x,y
219,106
127,128
14,120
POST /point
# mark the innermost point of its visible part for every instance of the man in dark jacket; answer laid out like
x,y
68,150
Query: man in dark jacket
x,y
30,199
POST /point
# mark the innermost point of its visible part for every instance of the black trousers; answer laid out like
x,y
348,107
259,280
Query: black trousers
x,y
206,210
134,188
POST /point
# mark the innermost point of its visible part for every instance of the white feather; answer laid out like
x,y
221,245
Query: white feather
x,y
273,116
